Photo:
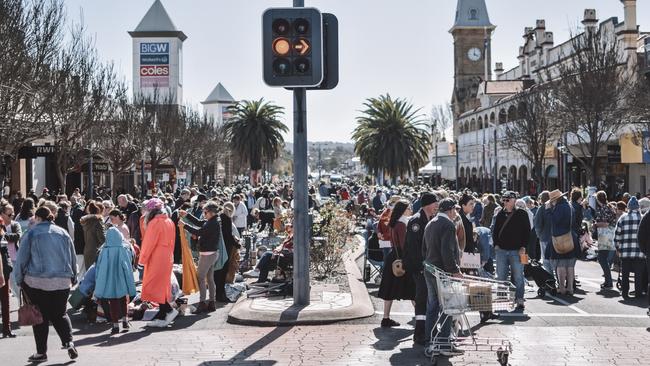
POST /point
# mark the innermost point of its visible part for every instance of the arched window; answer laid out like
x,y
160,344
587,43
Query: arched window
x,y
480,123
503,116
492,117
472,125
512,113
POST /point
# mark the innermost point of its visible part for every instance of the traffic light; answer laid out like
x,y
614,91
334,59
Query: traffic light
x,y
292,47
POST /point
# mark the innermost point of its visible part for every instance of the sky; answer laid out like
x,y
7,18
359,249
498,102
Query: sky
x,y
403,47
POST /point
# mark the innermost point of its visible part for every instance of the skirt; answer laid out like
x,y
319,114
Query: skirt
x,y
395,288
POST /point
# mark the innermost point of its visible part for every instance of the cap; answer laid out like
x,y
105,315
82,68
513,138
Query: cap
x,y
428,198
447,204
509,194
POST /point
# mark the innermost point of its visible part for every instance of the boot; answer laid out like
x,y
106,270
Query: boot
x,y
211,306
419,335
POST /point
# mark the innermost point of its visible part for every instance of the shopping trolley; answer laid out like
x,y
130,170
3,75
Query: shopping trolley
x,y
457,296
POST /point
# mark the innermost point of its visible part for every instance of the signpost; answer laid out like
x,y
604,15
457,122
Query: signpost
x,y
293,57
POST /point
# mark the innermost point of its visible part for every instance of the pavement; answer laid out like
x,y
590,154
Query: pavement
x,y
592,328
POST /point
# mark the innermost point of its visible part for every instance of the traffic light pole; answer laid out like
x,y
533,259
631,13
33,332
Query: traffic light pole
x,y
301,230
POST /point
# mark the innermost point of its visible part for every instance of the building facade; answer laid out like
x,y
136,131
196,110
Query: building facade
x,y
479,123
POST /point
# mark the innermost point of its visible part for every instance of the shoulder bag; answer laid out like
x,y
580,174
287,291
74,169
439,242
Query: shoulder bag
x,y
563,244
28,313
398,265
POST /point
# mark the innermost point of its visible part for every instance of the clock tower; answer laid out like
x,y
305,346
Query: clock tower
x,y
472,32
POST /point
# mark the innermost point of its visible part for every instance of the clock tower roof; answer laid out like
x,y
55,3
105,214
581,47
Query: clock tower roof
x,y
472,14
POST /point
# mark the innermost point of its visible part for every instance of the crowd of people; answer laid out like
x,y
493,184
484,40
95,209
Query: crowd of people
x,y
53,246
508,232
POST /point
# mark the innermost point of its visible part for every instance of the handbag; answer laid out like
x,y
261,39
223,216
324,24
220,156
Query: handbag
x,y
563,244
398,265
29,314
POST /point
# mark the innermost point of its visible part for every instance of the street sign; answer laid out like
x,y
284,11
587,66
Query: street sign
x,y
31,152
292,47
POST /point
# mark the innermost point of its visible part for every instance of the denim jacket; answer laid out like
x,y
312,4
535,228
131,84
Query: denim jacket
x,y
46,251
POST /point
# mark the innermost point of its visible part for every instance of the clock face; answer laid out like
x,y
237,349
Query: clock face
x,y
474,54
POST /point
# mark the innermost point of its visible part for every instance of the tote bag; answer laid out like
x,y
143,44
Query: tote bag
x,y
605,238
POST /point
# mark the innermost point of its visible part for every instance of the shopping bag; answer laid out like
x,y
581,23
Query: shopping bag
x,y
77,298
190,281
605,238
470,261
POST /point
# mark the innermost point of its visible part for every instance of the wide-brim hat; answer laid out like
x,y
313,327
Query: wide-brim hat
x,y
555,195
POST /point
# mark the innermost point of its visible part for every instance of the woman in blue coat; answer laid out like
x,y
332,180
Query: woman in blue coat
x,y
560,215
114,278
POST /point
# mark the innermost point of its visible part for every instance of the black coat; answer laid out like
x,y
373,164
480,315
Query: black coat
x,y
516,234
79,241
414,239
470,245
207,231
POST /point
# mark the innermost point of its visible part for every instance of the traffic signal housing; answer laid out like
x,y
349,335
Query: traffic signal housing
x,y
292,43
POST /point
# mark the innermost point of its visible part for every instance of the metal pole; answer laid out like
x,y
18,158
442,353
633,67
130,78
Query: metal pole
x,y
457,177
91,184
301,230
496,159
301,225
143,179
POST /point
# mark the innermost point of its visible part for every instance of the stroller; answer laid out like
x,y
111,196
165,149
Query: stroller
x,y
544,280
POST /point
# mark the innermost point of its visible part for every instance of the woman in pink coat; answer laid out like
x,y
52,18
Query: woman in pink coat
x,y
157,258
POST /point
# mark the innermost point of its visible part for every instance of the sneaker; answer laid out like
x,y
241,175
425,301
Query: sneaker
x,y
521,304
115,329
606,286
37,357
126,325
253,273
157,323
72,351
387,323
171,316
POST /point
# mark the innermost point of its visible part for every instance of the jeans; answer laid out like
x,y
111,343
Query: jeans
x,y
637,266
52,305
264,266
547,262
206,271
508,260
605,258
434,310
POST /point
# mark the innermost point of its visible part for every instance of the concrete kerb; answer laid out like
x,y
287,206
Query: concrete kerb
x,y
244,313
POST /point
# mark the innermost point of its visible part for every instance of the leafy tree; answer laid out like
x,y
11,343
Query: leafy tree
x,y
391,137
534,129
591,93
255,132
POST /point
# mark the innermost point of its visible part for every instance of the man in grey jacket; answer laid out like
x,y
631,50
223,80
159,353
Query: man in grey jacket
x,y
441,250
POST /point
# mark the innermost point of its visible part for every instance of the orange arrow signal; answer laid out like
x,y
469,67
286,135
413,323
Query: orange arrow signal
x,y
302,46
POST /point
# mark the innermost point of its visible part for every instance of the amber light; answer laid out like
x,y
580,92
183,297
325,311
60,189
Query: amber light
x,y
281,46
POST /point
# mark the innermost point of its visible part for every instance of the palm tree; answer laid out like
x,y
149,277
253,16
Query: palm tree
x,y
391,138
255,133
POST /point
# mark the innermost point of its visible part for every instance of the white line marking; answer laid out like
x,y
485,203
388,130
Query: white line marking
x,y
572,307
542,315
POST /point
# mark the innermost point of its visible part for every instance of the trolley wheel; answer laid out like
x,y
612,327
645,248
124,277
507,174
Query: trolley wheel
x,y
502,356
618,285
541,292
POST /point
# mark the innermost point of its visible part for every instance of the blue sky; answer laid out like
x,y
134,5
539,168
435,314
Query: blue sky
x,y
398,47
